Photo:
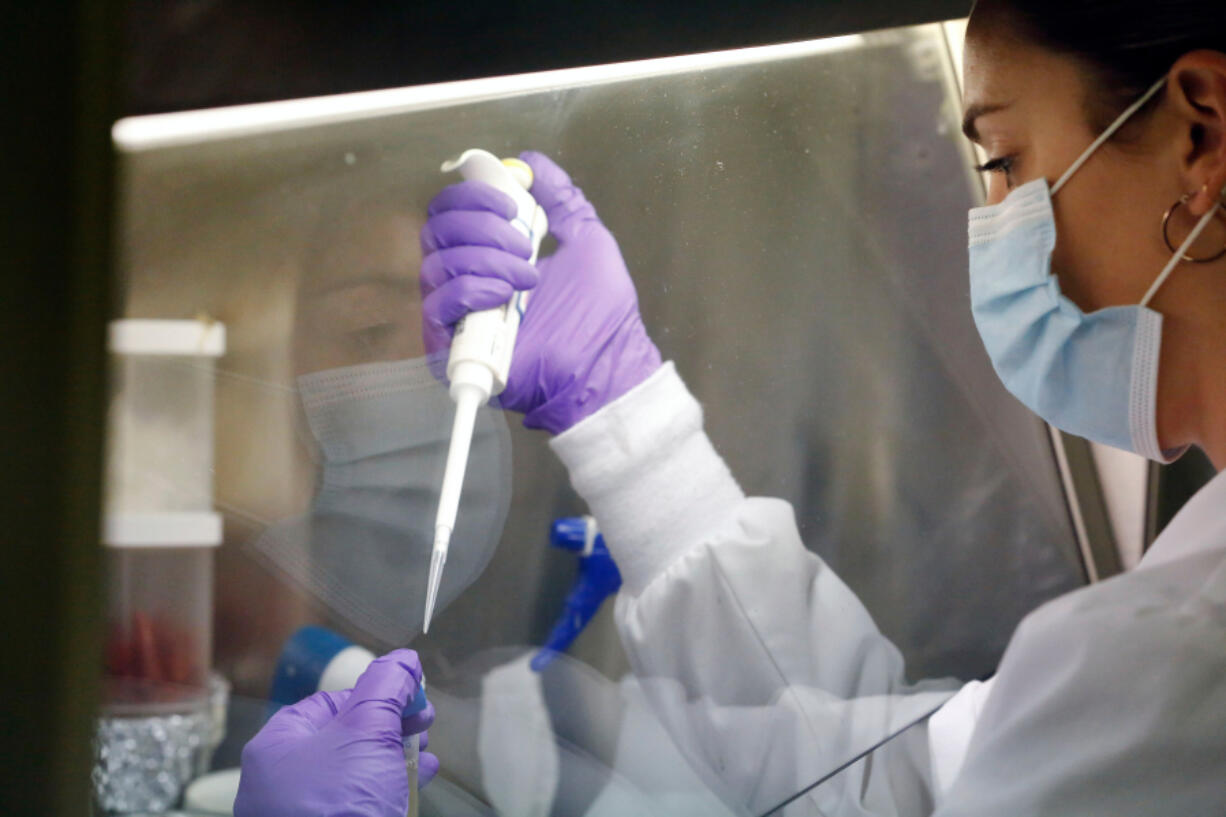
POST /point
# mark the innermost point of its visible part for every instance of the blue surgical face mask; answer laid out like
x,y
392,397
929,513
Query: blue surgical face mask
x,y
382,430
1094,375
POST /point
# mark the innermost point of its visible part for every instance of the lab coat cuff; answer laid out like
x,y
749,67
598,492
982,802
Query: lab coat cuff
x,y
650,476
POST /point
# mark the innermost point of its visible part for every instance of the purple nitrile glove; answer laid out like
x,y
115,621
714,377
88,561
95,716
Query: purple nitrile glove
x,y
340,752
582,343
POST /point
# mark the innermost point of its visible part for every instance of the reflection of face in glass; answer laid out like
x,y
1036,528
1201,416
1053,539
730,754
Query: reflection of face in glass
x,y
358,301
380,427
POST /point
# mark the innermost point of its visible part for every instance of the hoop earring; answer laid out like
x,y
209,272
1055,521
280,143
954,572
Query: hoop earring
x,y
1166,236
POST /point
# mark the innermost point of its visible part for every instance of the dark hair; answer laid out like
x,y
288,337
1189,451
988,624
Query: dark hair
x,y
1126,45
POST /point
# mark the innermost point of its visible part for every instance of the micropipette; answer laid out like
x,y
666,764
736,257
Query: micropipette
x,y
480,358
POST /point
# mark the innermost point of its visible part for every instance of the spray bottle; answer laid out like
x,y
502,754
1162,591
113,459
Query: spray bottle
x,y
480,358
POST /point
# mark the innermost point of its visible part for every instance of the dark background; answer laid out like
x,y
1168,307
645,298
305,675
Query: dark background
x,y
199,53
67,71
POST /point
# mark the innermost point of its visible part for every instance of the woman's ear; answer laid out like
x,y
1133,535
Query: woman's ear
x,y
1197,89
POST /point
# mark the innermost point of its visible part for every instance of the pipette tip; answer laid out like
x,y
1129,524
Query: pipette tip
x,y
442,541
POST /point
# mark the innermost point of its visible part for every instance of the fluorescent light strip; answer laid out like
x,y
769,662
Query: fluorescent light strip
x,y
192,127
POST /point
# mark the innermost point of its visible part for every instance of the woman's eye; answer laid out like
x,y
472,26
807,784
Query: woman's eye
x,y
1004,164
371,337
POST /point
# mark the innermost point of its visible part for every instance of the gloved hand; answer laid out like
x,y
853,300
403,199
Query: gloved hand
x,y
582,343
340,752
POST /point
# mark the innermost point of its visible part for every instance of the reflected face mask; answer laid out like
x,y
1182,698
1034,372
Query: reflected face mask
x,y
364,549
1093,375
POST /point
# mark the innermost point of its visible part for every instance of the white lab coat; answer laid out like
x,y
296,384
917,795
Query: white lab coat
x,y
768,672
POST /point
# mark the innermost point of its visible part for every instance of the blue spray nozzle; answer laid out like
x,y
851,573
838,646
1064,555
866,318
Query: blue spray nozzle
x,y
572,532
597,579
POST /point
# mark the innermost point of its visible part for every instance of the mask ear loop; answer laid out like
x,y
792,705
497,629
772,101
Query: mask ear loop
x,y
1181,252
1107,134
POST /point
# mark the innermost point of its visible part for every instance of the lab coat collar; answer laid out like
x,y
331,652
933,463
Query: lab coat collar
x,y
1199,526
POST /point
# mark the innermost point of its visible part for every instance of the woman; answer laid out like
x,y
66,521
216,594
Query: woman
x,y
1110,700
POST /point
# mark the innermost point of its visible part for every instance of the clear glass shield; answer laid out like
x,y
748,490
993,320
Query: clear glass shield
x,y
794,220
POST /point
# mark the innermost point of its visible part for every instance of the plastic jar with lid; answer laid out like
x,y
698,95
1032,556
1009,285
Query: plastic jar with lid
x,y
160,433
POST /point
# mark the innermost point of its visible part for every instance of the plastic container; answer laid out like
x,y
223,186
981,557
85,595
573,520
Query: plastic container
x,y
160,529
159,610
163,709
160,442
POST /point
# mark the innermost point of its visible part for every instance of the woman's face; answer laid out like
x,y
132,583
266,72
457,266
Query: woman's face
x,y
1027,108
359,302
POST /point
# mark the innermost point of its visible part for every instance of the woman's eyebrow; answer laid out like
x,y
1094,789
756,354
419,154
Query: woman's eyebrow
x,y
973,113
390,280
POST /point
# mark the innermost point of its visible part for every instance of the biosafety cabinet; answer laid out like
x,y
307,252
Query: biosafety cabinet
x,y
793,217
